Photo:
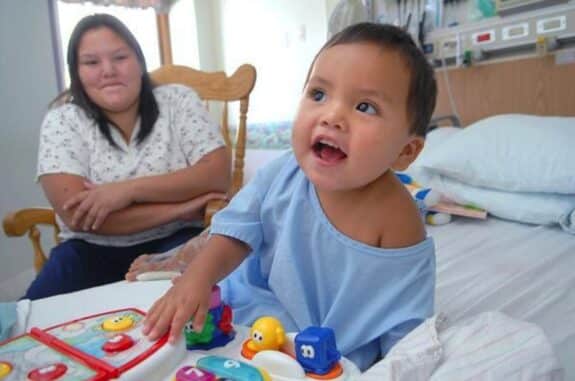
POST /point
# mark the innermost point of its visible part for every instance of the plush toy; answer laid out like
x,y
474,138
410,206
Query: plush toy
x,y
425,198
436,209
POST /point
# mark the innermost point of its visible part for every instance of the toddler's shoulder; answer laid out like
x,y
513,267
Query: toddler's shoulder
x,y
402,225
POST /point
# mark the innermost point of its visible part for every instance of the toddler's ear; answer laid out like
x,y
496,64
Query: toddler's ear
x,y
409,153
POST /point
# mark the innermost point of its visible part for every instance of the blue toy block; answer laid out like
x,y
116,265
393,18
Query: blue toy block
x,y
316,350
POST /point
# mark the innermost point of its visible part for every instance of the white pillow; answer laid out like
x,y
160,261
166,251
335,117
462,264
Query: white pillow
x,y
534,208
511,152
433,141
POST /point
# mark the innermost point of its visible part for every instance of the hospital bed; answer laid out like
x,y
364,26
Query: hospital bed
x,y
524,270
521,270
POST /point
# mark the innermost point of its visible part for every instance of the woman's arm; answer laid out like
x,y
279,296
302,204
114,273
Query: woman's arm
x,y
140,217
127,219
93,205
212,173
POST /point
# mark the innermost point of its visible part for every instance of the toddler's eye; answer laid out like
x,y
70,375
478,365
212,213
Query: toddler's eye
x,y
317,95
367,108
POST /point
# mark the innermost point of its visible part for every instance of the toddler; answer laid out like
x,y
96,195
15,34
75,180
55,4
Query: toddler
x,y
326,235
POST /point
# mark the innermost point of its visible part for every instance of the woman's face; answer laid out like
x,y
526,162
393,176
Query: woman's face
x,y
109,70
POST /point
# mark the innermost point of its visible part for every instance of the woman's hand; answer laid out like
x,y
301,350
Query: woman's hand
x,y
94,204
188,297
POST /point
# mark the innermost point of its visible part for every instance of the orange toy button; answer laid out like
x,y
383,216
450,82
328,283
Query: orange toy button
x,y
336,371
48,373
118,343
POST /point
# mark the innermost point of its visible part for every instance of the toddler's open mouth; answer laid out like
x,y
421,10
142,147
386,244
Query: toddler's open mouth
x,y
328,151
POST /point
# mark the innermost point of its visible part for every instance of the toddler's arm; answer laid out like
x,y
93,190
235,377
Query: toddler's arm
x,y
190,295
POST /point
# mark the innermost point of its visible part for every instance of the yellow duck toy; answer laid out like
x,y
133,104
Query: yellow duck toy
x,y
267,333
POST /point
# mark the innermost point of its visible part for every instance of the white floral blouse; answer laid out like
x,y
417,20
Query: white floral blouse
x,y
71,143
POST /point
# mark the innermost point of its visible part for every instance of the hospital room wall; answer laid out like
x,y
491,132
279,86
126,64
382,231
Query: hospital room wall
x,y
28,83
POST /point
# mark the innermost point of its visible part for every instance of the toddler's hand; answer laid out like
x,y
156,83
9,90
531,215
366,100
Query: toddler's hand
x,y
186,298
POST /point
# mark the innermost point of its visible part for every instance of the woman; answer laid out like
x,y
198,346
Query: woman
x,y
127,166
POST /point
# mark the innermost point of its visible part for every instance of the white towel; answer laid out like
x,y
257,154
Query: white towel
x,y
490,346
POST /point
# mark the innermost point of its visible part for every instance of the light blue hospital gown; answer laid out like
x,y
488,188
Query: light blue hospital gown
x,y
306,273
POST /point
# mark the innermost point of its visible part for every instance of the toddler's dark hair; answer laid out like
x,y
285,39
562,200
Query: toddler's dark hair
x,y
423,87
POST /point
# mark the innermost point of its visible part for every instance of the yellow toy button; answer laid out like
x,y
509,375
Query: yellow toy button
x,y
118,323
5,369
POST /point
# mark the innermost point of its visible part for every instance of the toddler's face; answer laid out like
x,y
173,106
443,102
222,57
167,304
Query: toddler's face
x,y
352,123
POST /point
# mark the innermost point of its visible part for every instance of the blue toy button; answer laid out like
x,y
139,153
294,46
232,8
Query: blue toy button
x,y
191,373
230,368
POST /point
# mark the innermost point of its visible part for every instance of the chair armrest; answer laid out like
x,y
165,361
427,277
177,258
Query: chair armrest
x,y
24,221
212,208
18,223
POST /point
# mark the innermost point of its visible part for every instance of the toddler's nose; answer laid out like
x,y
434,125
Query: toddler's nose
x,y
334,117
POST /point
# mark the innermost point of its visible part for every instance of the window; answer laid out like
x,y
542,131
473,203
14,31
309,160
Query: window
x,y
183,34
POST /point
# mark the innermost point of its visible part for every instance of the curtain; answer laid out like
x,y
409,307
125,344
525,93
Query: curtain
x,y
161,6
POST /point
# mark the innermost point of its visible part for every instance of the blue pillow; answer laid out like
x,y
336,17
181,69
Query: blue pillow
x,y
528,207
511,152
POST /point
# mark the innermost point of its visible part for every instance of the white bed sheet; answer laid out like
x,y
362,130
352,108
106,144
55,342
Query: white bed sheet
x,y
489,346
54,310
525,271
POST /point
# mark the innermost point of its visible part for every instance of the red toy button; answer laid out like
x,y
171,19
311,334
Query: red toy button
x,y
118,343
48,373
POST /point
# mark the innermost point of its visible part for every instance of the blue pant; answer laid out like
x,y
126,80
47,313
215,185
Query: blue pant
x,y
76,264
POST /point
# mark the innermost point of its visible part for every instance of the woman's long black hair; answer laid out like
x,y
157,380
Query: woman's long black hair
x,y
147,108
